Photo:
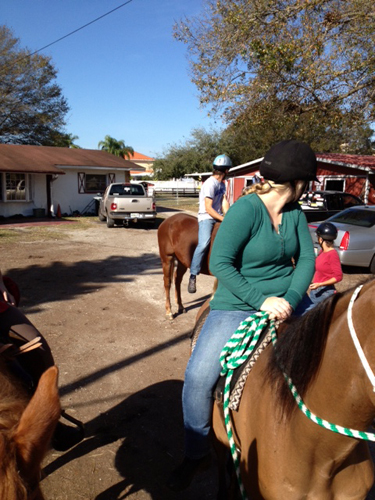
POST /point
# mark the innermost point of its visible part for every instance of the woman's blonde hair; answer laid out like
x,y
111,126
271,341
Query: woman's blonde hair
x,y
265,186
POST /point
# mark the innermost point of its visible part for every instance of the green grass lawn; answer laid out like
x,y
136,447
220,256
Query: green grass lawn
x,y
178,202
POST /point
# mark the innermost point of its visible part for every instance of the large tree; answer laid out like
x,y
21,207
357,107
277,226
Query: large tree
x,y
316,57
32,107
115,147
196,154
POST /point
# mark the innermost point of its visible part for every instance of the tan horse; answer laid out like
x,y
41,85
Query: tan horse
x,y
284,455
26,428
178,238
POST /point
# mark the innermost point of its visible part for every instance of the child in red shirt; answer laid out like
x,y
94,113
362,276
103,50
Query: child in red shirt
x,y
327,265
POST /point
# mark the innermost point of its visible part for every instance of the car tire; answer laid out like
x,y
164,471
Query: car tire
x,y
372,265
101,217
110,221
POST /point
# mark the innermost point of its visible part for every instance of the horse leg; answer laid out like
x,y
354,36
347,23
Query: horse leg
x,y
179,274
168,266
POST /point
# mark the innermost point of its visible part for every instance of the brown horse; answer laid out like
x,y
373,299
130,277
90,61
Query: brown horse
x,y
26,428
285,455
178,238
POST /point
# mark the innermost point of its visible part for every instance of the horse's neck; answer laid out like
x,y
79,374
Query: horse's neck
x,y
342,393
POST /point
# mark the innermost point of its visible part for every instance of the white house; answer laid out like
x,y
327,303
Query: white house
x,y
35,180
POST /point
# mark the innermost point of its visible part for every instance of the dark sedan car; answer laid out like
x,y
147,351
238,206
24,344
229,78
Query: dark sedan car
x,y
319,205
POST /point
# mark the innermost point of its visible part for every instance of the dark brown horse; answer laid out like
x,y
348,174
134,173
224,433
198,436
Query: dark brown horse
x,y
284,454
26,428
178,238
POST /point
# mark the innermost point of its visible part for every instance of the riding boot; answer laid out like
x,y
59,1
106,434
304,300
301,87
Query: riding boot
x,y
192,286
67,436
183,475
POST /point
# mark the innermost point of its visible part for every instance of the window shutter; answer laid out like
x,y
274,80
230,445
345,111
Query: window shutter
x,y
81,182
112,178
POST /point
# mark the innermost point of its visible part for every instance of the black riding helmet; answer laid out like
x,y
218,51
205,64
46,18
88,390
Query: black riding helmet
x,y
289,161
327,231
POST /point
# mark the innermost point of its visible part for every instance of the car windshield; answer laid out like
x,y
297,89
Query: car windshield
x,y
127,190
363,218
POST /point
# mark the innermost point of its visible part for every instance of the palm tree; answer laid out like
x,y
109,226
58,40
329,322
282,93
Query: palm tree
x,y
70,138
115,147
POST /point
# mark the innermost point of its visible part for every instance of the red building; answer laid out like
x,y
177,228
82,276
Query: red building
x,y
339,172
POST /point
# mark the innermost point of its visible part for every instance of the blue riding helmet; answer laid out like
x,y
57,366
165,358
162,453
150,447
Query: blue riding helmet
x,y
222,163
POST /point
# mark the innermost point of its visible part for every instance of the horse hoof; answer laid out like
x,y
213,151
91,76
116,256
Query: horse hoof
x,y
169,316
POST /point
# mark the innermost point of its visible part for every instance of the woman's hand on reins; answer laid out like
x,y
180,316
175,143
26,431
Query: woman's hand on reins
x,y
277,308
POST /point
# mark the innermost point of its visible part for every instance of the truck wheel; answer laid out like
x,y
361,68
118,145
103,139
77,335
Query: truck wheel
x,y
110,221
101,217
372,265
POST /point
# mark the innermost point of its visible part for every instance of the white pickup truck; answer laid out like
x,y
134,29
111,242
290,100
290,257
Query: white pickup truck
x,y
125,202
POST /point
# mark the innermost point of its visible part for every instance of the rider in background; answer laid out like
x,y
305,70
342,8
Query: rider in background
x,y
263,259
328,269
213,204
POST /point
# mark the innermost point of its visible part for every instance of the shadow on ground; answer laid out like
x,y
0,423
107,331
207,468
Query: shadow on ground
x,y
149,425
60,280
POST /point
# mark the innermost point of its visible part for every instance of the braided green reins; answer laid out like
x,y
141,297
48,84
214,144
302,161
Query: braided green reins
x,y
236,351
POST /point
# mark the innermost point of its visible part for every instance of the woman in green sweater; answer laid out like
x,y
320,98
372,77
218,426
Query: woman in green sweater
x,y
264,260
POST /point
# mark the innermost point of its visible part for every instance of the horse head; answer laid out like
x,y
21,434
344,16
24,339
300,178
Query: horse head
x,y
25,435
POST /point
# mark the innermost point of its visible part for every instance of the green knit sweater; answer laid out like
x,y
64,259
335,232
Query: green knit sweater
x,y
252,261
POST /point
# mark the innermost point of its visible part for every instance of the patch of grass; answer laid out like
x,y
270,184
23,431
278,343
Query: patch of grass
x,y
53,232
180,203
79,222
7,235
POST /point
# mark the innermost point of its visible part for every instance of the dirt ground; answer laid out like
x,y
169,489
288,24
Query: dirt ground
x,y
98,298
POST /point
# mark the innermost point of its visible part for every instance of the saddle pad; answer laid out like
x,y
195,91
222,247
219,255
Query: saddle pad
x,y
240,375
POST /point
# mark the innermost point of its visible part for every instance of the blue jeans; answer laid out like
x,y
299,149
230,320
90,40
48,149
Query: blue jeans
x,y
204,237
202,373
319,295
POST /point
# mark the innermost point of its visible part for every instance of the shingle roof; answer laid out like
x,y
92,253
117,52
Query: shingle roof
x,y
347,160
47,159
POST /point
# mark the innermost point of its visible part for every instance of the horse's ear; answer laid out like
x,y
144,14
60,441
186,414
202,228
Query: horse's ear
x,y
38,421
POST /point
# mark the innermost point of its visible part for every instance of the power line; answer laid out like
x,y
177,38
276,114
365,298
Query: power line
x,y
72,32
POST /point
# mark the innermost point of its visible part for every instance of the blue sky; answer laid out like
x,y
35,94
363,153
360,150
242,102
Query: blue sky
x,y
124,75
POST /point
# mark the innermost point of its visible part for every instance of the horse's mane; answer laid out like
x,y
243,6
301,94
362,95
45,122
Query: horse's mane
x,y
299,351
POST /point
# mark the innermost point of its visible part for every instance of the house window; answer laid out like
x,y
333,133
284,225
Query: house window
x,y
92,183
16,187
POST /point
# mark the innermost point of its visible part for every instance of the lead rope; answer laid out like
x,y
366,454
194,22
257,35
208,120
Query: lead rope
x,y
235,352
241,345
